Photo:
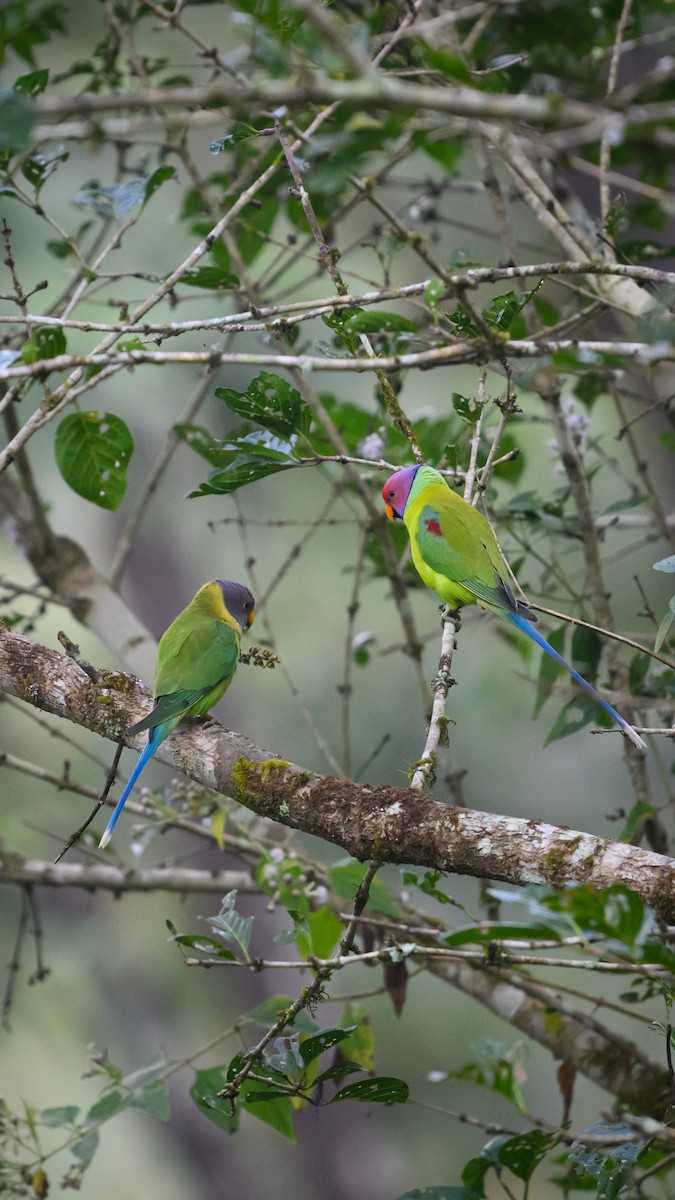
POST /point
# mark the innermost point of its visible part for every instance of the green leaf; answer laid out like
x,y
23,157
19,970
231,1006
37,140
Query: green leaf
x,y
152,1099
360,1045
272,402
325,1039
213,278
203,442
464,326
565,724
325,930
240,132
380,1090
109,1104
267,1013
441,149
428,885
38,167
204,1093
433,293
345,879
502,931
255,223
522,1154
93,454
546,311
17,118
53,1118
449,64
47,342
664,627
494,1071
344,1067
641,811
234,929
474,1172
156,180
85,1149
375,321
32,84
277,1112
204,944
247,459
353,423
466,408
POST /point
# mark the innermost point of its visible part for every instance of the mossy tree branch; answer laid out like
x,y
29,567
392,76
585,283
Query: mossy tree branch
x,y
391,824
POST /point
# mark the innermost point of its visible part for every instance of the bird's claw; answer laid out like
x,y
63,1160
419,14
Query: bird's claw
x,y
451,614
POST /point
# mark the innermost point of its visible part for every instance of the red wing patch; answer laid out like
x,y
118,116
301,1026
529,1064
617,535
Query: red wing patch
x,y
433,526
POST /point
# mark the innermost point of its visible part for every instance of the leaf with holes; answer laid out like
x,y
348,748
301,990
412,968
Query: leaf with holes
x,y
272,402
325,1039
93,452
245,460
47,342
381,1090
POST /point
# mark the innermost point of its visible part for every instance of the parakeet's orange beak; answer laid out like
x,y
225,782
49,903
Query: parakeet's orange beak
x,y
251,619
390,512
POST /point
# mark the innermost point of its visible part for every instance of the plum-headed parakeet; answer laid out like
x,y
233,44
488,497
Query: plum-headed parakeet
x,y
196,660
456,554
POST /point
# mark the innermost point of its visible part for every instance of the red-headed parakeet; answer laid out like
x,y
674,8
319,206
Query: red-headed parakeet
x,y
197,657
456,554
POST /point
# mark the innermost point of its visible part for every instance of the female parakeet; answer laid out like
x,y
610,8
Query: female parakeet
x,y
456,553
196,660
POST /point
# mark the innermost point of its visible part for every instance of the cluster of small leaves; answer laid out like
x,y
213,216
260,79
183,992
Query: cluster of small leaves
x,y
289,1077
29,1140
519,1155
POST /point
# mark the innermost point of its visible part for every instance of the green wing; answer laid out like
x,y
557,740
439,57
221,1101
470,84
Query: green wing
x,y
196,661
464,551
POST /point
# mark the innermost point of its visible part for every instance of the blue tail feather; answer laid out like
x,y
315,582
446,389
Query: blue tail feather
x,y
522,623
149,749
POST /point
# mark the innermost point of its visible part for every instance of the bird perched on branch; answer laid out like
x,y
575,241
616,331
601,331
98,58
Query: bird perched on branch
x,y
456,554
197,657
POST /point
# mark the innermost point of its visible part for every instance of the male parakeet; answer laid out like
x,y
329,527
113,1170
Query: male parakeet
x,y
196,660
456,554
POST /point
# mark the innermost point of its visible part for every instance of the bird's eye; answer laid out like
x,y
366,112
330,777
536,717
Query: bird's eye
x,y
392,493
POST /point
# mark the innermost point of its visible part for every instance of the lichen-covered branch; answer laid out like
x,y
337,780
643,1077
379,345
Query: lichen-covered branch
x,y
603,1055
391,824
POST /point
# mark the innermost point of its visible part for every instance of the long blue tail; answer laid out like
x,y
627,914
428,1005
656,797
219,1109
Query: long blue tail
x,y
153,742
522,623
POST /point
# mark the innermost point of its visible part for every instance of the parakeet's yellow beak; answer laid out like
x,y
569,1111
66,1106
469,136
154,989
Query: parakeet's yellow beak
x,y
390,512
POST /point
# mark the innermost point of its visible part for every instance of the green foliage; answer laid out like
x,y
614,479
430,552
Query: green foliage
x,y
17,118
272,403
492,1069
405,207
93,452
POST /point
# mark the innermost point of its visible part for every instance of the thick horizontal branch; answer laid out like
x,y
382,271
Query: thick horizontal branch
x,y
573,1037
392,824
471,350
102,876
